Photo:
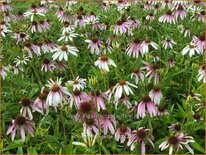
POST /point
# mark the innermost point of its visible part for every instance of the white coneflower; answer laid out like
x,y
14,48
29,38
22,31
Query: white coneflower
x,y
121,87
103,63
138,74
191,48
68,36
78,83
21,60
67,27
62,51
145,46
168,42
57,93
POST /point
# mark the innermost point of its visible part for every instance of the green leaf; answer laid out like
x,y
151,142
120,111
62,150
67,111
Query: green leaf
x,y
56,130
198,147
69,149
104,149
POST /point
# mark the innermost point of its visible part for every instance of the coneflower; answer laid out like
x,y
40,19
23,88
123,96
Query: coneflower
x,y
122,87
26,105
134,48
103,63
21,123
122,133
140,136
146,105
168,17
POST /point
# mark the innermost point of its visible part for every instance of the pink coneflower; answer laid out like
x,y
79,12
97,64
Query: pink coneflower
x,y
61,15
146,104
148,6
78,83
201,16
150,17
47,65
124,99
48,45
138,74
33,11
201,74
156,95
21,123
26,105
57,93
122,133
134,22
8,16
168,17
122,87
22,37
175,128
19,15
98,99
200,42
107,121
43,25
40,103
177,142
145,46
185,31
134,48
61,52
31,48
77,97
122,28
156,58
161,110
191,48
140,136
152,71
3,71
105,6
92,19
60,65
79,21
90,125
180,12
168,43
170,63
103,63
86,110
34,27
94,45
6,7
